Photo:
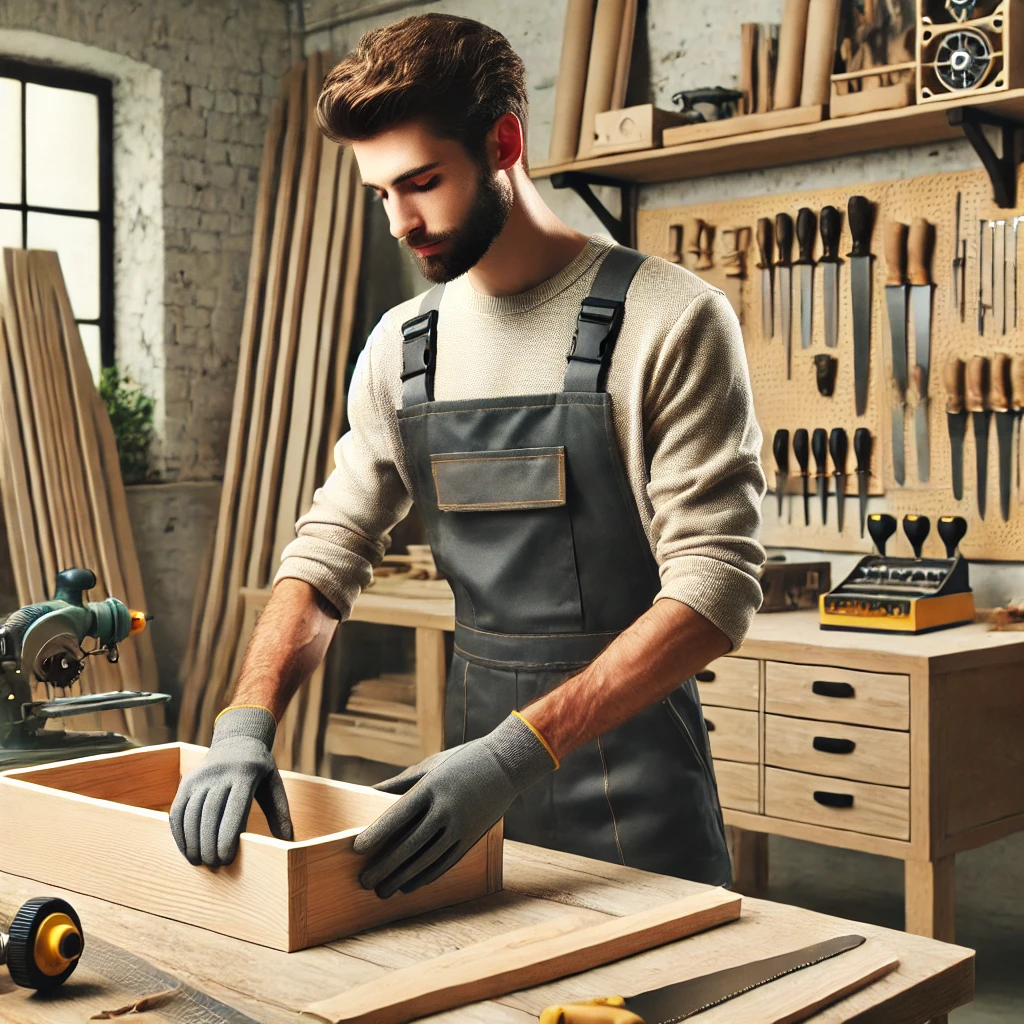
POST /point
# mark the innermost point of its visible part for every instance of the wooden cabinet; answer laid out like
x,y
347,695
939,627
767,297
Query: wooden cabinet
x,y
907,746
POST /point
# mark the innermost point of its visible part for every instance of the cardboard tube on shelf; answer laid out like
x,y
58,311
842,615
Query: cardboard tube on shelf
x,y
748,46
767,36
604,55
625,56
572,80
792,38
819,51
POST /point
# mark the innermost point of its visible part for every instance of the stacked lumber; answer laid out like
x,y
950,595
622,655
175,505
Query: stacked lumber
x,y
288,401
60,478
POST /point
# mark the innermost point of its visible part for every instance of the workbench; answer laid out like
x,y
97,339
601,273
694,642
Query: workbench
x,y
148,953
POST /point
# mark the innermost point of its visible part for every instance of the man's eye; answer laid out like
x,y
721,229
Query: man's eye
x,y
425,186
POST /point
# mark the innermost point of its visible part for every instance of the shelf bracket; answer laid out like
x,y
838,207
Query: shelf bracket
x,y
1002,170
622,229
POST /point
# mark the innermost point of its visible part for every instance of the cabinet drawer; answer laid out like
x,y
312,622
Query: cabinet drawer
x,y
837,695
733,733
837,803
730,683
844,751
738,786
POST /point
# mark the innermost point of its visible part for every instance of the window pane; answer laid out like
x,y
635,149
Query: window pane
x,y
62,145
91,343
10,133
77,242
10,229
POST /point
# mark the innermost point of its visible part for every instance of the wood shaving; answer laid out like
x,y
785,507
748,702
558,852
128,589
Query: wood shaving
x,y
140,1005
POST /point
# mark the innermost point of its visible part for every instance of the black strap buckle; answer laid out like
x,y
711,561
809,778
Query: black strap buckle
x,y
599,321
419,339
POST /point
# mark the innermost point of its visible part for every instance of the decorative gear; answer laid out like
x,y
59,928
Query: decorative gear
x,y
963,59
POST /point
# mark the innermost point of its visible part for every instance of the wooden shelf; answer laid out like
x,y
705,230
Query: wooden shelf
x,y
840,136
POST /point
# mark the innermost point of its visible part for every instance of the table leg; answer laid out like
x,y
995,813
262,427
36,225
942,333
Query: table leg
x,y
431,676
749,853
929,898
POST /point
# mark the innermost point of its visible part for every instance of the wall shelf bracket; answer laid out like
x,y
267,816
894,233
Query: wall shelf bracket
x,y
623,228
1002,170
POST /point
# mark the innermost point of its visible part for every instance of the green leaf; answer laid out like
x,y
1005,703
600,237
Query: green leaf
x,y
131,415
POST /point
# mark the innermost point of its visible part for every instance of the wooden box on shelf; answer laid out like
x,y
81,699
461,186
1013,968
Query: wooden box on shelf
x,y
632,128
99,825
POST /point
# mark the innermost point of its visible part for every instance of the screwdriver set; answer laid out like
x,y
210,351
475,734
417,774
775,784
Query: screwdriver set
x,y
885,594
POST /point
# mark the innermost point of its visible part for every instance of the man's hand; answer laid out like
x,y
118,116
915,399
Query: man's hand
x,y
212,804
459,796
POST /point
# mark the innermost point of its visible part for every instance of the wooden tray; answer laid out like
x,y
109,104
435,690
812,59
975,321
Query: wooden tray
x,y
99,825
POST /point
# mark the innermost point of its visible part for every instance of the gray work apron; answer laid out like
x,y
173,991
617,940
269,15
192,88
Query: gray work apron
x,y
529,514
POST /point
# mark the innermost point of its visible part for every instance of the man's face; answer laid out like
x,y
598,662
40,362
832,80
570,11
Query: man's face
x,y
442,205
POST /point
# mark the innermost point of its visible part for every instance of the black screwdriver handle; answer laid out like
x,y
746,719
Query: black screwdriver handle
x,y
838,445
881,526
830,224
951,530
861,214
764,243
784,239
801,449
862,444
916,529
819,446
806,222
780,448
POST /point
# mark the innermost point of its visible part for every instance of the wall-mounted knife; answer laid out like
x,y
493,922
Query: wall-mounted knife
x,y
801,449
830,224
1017,386
919,258
819,446
862,444
959,262
806,225
780,448
784,263
766,249
896,304
999,401
837,446
977,405
956,420
861,215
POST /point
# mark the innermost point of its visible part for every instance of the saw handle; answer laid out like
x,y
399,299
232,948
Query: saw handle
x,y
606,1010
896,253
953,373
916,529
861,216
919,252
1000,390
830,224
784,239
764,243
806,222
977,384
951,530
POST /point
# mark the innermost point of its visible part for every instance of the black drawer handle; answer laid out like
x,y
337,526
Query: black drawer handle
x,y
831,745
827,799
826,689
707,676
709,725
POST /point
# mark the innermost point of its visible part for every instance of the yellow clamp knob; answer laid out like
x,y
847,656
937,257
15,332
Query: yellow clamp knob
x,y
138,622
602,1010
58,944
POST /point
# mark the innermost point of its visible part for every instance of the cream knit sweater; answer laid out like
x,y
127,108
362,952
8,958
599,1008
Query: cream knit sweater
x,y
682,408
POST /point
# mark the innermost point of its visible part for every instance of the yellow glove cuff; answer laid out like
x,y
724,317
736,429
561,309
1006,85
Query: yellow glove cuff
x,y
544,742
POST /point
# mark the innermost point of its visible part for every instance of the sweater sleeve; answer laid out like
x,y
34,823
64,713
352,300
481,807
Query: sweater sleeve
x,y
347,529
706,485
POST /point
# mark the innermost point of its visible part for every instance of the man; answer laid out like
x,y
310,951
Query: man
x,y
596,514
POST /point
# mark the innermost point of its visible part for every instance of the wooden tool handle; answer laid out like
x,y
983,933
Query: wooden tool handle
x,y
919,252
895,253
1017,381
694,246
999,392
592,1012
792,37
819,51
953,382
977,376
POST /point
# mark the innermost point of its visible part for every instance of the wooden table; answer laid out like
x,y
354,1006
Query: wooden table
x,y
269,986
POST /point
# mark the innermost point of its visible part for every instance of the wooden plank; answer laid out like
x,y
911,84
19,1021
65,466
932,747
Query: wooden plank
x,y
930,898
624,58
604,50
730,127
572,80
521,959
431,679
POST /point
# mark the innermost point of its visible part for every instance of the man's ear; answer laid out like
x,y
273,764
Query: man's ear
x,y
505,142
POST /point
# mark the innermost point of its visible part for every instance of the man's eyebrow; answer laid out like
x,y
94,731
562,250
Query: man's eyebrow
x,y
414,173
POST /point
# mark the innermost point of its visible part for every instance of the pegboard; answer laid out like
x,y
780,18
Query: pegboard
x,y
794,403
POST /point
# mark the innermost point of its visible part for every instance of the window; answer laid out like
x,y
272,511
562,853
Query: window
x,y
56,186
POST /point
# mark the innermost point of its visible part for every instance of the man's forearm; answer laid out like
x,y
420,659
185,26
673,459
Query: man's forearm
x,y
290,639
645,663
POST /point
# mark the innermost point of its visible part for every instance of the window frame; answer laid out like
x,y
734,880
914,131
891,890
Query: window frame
x,y
102,88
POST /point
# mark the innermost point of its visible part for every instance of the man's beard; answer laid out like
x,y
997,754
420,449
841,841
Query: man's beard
x,y
466,245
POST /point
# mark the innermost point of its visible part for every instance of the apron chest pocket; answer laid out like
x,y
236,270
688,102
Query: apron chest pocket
x,y
493,481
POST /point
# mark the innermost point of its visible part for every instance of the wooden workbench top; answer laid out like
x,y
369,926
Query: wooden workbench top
x,y
269,986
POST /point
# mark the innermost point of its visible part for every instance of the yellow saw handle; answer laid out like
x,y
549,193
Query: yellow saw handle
x,y
602,1010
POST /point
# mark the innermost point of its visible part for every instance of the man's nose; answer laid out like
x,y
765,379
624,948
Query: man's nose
x,y
403,218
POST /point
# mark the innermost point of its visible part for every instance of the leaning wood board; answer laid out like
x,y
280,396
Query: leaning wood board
x,y
89,824
776,398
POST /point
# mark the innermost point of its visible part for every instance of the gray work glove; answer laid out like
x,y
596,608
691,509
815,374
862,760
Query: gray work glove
x,y
459,796
212,804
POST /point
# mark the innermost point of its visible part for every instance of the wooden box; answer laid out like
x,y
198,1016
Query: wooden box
x,y
99,825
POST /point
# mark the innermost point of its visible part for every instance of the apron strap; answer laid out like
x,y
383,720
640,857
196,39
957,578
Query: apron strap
x,y
600,317
419,350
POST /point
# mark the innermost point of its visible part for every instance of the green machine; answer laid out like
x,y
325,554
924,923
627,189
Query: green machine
x,y
43,642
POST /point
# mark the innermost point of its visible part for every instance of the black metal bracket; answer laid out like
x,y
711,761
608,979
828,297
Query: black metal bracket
x,y
1002,170
622,229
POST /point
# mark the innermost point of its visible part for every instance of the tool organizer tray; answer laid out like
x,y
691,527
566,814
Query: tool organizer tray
x,y
794,403
99,825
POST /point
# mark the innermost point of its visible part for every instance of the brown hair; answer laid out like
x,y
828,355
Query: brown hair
x,y
455,74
